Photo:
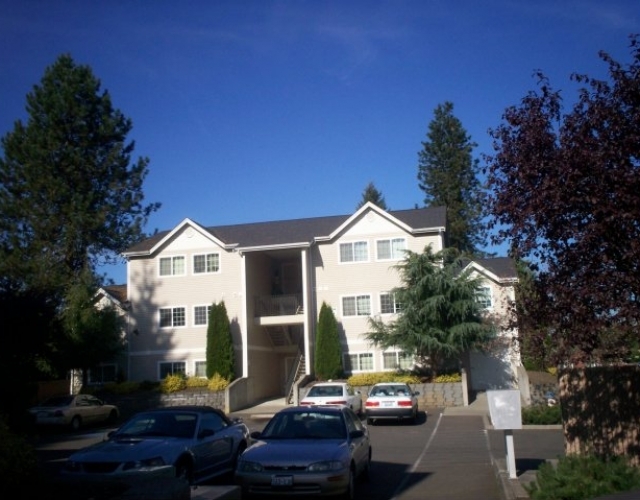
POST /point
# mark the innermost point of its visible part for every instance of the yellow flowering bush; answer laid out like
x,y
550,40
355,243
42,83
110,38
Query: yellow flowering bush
x,y
173,383
217,383
195,382
452,377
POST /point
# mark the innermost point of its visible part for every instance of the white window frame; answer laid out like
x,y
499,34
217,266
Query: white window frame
x,y
355,256
355,298
484,297
349,365
394,253
173,310
173,259
195,315
395,305
173,370
206,263
398,361
195,368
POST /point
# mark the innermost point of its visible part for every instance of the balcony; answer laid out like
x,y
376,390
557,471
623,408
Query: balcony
x,y
278,305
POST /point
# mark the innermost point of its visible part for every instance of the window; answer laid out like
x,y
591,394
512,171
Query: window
x,y
172,316
357,305
102,374
357,251
201,315
171,368
206,264
397,360
359,362
201,369
392,249
388,304
483,297
172,266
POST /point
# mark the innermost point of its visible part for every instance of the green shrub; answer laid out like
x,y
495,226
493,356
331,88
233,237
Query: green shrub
x,y
217,383
542,415
121,388
18,462
362,379
582,478
173,383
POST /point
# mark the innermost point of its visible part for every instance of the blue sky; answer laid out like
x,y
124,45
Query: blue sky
x,y
268,110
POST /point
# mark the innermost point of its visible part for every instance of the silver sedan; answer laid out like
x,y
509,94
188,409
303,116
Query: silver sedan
x,y
307,451
391,400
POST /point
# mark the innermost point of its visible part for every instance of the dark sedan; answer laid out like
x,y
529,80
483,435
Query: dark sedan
x,y
200,442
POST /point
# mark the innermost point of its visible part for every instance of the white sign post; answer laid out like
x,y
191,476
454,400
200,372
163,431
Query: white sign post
x,y
505,411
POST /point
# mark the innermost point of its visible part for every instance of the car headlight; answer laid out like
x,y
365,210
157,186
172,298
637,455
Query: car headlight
x,y
329,465
246,466
138,464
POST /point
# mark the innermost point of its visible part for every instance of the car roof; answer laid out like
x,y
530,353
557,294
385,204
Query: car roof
x,y
192,408
314,408
319,384
390,383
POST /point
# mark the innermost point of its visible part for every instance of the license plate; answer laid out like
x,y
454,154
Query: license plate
x,y
387,403
282,481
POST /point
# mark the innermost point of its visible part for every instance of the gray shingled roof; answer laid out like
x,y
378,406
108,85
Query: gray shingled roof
x,y
502,267
289,232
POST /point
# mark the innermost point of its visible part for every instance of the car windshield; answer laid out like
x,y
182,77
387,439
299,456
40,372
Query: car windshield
x,y
58,401
325,391
163,424
390,390
305,425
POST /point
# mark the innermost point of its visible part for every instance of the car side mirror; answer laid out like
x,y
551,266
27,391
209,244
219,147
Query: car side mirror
x,y
416,393
256,434
356,434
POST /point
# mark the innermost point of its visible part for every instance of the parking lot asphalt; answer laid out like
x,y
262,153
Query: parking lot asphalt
x,y
465,458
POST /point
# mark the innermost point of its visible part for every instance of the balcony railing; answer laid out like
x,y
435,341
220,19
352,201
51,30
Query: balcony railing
x,y
278,305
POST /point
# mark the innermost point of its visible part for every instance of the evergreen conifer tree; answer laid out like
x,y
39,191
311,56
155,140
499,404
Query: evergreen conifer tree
x,y
220,353
447,173
328,354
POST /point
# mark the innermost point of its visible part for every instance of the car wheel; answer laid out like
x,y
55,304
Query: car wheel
x,y
113,416
236,457
76,423
366,473
350,494
184,470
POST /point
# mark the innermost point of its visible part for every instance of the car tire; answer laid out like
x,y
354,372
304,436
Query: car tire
x,y
366,473
76,423
184,470
350,493
113,416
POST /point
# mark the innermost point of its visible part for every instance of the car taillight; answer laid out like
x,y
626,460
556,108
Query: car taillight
x,y
405,403
341,402
305,403
372,403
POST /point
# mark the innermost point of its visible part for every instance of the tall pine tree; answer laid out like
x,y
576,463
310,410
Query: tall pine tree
x,y
220,354
328,355
372,194
447,173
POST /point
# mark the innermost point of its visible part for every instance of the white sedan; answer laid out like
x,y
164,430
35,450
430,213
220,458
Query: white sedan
x,y
334,394
391,400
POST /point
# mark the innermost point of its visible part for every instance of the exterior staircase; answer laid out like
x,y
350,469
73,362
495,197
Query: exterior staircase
x,y
299,369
